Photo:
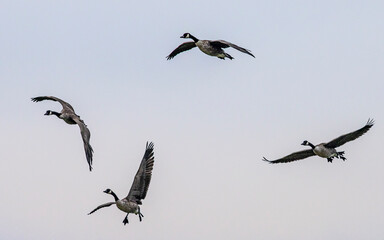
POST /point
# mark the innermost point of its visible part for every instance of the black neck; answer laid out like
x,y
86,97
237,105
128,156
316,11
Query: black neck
x,y
114,195
56,114
312,146
193,38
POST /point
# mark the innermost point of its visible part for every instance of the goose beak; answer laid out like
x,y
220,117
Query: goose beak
x,y
105,191
46,114
182,37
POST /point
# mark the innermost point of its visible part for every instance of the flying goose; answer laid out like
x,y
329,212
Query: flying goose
x,y
325,150
139,188
212,48
69,116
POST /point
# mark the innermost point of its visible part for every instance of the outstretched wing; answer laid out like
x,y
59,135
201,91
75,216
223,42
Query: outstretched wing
x,y
86,135
183,47
350,136
293,157
143,176
225,44
102,206
63,103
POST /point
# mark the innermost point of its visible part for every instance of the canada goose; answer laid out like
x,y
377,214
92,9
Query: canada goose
x,y
325,150
212,48
139,188
69,116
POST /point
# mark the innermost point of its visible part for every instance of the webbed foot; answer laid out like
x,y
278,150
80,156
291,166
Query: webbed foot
x,y
341,155
140,216
125,221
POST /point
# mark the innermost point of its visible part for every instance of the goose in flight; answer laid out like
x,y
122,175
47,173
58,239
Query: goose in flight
x,y
212,48
325,150
69,116
139,188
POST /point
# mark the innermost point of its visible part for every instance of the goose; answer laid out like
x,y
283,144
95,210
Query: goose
x,y
139,188
325,150
212,48
69,116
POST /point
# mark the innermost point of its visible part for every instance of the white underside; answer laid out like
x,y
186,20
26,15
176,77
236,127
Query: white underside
x,y
206,48
324,152
126,206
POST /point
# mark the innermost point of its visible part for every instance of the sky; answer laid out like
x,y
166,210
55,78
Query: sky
x,y
318,74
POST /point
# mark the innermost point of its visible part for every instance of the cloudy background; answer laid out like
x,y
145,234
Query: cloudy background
x,y
318,73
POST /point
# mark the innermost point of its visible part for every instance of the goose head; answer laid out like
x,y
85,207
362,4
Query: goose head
x,y
108,191
186,35
305,143
47,113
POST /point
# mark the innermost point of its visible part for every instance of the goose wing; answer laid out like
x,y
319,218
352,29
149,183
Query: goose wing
x,y
102,206
86,135
350,136
292,157
225,44
183,47
65,105
143,176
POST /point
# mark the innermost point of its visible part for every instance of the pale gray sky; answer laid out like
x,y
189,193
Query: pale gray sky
x,y
318,73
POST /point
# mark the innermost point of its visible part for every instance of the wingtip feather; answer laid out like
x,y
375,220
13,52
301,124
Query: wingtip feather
x,y
370,122
150,145
266,160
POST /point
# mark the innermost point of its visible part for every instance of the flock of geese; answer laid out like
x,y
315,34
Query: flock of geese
x,y
139,188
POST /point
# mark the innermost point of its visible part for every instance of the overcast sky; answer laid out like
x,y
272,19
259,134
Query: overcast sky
x,y
318,73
